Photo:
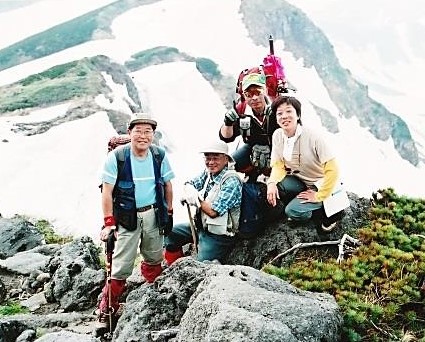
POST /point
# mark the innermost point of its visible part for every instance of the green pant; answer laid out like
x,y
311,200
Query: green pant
x,y
289,188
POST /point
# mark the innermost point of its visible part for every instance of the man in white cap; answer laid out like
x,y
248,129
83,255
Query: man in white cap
x,y
131,209
255,124
216,193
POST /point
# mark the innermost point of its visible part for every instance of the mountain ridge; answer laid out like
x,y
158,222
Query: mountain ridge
x,y
192,84
285,22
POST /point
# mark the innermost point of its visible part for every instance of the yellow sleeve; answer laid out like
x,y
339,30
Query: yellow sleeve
x,y
278,172
331,177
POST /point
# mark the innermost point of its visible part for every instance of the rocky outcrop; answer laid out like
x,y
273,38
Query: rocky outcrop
x,y
18,235
279,236
77,277
207,302
227,302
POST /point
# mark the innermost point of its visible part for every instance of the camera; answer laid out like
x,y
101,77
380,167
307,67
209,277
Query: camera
x,y
245,123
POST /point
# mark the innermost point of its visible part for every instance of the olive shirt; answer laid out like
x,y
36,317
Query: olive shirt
x,y
312,160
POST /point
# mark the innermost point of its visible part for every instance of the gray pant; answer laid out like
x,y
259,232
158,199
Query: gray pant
x,y
289,188
146,237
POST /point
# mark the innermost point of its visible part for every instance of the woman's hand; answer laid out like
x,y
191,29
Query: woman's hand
x,y
308,196
272,194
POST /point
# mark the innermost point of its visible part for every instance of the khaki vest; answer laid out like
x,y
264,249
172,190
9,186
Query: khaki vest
x,y
227,224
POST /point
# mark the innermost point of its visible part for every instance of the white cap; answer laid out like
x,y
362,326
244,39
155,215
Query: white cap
x,y
217,147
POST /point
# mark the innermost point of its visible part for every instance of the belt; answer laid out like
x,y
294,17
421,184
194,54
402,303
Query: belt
x,y
146,208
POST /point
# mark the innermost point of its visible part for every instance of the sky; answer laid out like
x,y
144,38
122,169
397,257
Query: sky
x,y
55,175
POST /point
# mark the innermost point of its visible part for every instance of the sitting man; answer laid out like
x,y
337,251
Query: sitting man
x,y
256,126
216,193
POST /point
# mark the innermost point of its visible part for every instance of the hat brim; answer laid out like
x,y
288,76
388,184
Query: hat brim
x,y
211,150
143,121
259,84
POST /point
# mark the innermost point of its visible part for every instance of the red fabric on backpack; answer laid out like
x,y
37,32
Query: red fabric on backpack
x,y
275,75
118,140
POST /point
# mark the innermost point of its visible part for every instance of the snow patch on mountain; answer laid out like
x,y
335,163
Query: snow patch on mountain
x,y
55,175
40,16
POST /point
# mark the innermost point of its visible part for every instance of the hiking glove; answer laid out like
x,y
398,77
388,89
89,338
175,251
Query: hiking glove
x,y
230,117
190,195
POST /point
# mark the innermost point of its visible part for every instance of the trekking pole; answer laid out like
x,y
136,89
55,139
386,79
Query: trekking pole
x,y
110,245
192,228
271,46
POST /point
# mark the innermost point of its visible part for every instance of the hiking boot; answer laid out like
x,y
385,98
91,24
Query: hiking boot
x,y
105,324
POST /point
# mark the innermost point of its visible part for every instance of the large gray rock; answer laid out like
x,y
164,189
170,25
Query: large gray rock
x,y
278,236
66,336
18,235
11,329
207,302
77,277
17,326
29,261
3,292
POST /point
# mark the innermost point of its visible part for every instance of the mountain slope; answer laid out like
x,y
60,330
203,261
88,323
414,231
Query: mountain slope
x,y
55,174
302,38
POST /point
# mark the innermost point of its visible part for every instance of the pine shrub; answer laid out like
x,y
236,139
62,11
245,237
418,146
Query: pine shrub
x,y
381,288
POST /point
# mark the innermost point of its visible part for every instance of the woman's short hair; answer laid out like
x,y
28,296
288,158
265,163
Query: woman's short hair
x,y
289,100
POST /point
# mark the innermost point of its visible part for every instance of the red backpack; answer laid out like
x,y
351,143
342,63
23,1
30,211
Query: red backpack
x,y
118,140
274,72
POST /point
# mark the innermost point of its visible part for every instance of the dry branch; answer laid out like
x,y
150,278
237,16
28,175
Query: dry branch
x,y
342,243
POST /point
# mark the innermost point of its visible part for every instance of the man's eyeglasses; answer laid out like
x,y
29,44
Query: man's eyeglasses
x,y
253,92
212,158
143,133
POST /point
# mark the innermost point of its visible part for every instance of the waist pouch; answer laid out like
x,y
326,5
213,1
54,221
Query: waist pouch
x,y
124,206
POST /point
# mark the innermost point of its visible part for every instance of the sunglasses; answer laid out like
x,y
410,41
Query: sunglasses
x,y
253,92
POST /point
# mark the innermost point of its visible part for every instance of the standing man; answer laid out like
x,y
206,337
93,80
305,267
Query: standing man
x,y
216,193
256,126
133,199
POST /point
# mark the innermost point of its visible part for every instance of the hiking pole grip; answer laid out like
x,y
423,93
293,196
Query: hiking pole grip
x,y
110,242
271,46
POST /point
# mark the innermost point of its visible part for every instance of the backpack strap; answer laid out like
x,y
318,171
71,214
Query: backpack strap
x,y
235,222
268,113
229,173
121,155
158,154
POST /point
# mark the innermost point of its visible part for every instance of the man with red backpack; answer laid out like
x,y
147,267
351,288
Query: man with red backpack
x,y
137,206
255,124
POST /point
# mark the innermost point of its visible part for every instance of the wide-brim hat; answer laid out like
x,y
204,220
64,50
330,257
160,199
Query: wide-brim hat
x,y
253,79
217,147
142,118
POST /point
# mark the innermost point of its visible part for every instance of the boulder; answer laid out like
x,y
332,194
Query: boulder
x,y
18,235
77,276
209,302
279,235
